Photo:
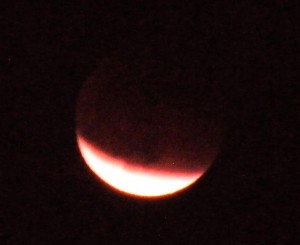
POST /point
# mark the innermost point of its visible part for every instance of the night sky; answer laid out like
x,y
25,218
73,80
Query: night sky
x,y
241,52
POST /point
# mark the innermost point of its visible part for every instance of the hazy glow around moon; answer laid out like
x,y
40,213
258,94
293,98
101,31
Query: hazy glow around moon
x,y
138,181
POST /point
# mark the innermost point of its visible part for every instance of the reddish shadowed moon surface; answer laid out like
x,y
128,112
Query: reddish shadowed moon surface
x,y
142,137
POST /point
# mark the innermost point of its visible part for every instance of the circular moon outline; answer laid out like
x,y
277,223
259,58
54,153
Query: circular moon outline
x,y
139,181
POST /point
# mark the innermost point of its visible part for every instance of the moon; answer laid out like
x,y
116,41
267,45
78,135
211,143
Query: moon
x,y
133,180
148,138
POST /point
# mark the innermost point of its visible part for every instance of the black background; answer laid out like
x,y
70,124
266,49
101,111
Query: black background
x,y
48,196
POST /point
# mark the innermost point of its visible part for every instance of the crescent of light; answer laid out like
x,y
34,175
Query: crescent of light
x,y
138,181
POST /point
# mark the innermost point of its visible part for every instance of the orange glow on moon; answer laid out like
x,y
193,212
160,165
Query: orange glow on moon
x,y
141,181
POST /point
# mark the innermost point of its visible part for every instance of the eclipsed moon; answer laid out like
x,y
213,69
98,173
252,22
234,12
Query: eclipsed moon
x,y
141,181
151,137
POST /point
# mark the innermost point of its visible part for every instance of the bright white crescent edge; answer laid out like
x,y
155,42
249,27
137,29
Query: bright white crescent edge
x,y
137,181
